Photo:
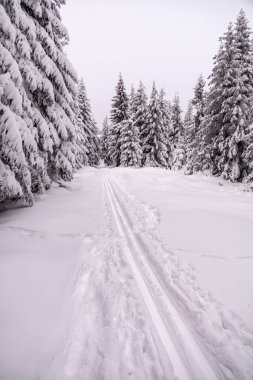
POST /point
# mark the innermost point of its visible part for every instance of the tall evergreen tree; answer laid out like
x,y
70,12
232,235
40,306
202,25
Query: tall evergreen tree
x,y
139,111
119,113
131,153
166,116
131,100
193,132
104,143
237,106
154,133
212,123
31,48
176,135
88,126
226,125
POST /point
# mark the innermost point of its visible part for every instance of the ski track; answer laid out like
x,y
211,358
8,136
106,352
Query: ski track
x,y
137,312
222,335
188,360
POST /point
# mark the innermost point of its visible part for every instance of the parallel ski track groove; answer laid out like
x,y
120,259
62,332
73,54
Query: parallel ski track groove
x,y
189,362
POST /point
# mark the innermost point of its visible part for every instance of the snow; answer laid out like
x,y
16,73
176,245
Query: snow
x,y
140,273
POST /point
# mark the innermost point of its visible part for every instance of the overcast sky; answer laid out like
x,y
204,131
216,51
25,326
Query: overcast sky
x,y
170,41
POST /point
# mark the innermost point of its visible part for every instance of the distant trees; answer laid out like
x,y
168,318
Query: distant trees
x,y
47,130
138,132
216,134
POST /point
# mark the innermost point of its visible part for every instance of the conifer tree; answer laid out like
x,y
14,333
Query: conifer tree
x,y
51,82
104,143
193,132
176,135
131,153
15,178
154,134
226,124
166,116
139,111
119,113
237,106
189,135
88,126
31,48
81,141
131,101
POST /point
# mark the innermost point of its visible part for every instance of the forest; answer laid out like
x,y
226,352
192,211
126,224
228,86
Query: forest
x,y
48,130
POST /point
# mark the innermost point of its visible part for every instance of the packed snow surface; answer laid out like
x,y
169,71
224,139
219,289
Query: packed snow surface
x,y
128,274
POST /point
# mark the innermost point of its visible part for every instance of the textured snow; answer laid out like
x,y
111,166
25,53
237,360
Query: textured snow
x,y
129,273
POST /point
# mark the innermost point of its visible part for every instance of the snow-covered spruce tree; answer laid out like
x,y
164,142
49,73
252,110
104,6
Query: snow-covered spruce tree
x,y
176,135
131,99
88,126
237,106
228,115
15,178
154,134
188,118
212,122
94,155
131,153
139,111
104,142
119,113
193,132
166,116
189,135
49,80
18,147
81,141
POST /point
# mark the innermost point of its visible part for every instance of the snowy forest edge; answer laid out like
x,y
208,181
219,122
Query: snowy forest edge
x,y
48,131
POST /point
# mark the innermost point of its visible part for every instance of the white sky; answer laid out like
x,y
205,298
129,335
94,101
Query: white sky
x,y
170,41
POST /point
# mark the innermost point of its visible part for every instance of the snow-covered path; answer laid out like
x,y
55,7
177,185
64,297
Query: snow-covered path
x,y
187,359
90,287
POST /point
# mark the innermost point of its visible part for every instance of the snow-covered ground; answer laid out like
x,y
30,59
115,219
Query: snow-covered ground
x,y
131,273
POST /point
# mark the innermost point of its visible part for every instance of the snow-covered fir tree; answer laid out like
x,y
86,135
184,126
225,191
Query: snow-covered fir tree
x,y
139,110
176,135
154,134
212,120
131,100
51,82
119,113
237,106
15,178
131,152
193,123
165,108
188,118
104,142
31,50
226,124
81,141
88,126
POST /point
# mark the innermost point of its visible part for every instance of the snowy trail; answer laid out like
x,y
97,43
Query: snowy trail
x,y
107,292
189,362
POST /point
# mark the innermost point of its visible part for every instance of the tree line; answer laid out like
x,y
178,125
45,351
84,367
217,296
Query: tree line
x,y
216,133
47,129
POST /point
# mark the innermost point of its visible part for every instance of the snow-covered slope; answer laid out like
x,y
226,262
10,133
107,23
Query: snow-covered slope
x,y
131,273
